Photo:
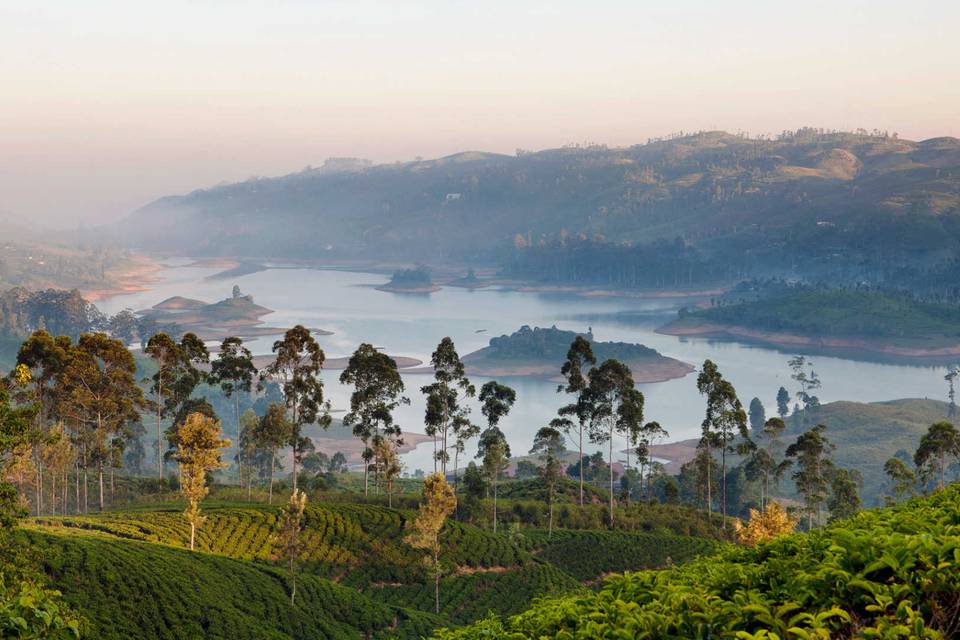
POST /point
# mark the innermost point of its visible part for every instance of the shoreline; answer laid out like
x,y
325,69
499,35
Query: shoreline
x,y
644,372
132,278
788,340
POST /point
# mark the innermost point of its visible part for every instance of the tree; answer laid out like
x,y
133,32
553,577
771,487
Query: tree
x,y
248,449
273,432
289,544
783,403
807,378
902,479
758,415
424,531
496,401
548,444
198,453
234,371
810,453
377,389
495,462
844,499
649,433
579,356
163,350
388,465
940,441
773,521
617,407
951,378
725,419
100,389
299,360
444,411
45,356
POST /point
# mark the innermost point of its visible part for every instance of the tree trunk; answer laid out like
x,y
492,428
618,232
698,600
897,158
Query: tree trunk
x,y
159,434
723,476
550,525
581,465
193,532
236,442
436,583
709,493
78,486
495,474
86,489
100,478
293,580
366,476
273,462
611,477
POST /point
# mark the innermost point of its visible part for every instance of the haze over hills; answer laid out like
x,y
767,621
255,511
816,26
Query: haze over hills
x,y
808,191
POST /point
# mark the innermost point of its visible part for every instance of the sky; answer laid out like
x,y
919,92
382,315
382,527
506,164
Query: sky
x,y
107,105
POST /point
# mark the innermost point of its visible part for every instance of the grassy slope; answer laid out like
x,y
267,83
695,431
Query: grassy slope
x,y
886,573
354,554
867,434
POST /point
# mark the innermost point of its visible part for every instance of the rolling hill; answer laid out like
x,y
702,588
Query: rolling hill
x,y
131,574
827,196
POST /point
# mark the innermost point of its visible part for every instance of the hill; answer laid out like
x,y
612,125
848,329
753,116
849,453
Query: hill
x,y
541,352
359,578
851,203
885,573
836,320
866,434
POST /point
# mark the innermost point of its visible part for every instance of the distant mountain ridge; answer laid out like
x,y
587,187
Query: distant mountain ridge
x,y
712,189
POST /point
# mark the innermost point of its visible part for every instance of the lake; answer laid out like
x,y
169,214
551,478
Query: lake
x,y
346,303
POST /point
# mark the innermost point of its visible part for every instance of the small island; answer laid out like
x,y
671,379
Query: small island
x,y
237,315
416,280
539,352
851,321
469,281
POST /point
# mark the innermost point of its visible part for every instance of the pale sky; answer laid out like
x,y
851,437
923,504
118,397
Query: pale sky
x,y
106,105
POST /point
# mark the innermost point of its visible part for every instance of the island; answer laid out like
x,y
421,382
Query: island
x,y
854,321
540,352
469,281
415,280
237,315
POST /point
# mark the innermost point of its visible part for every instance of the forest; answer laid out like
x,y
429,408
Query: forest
x,y
230,524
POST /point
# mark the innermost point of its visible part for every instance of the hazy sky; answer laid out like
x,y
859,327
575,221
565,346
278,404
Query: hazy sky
x,y
107,105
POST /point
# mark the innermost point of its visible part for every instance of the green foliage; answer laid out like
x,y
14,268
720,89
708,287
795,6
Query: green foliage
x,y
131,589
587,555
470,596
30,612
886,573
552,344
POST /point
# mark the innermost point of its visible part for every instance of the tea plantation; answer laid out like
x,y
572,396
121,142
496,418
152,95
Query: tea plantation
x,y
885,573
131,575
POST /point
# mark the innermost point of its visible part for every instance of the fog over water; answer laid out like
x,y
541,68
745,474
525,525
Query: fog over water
x,y
412,325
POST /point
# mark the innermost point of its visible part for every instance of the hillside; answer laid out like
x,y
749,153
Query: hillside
x,y
886,573
542,351
836,320
359,578
865,434
836,198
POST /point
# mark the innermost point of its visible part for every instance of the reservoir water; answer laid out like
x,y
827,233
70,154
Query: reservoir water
x,y
411,325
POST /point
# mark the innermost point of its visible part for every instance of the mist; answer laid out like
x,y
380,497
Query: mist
x,y
109,106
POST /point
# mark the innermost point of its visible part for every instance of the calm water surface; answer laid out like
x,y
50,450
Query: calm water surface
x,y
412,325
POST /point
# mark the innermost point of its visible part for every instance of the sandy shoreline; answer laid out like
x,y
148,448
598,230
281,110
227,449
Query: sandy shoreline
x,y
134,277
788,340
